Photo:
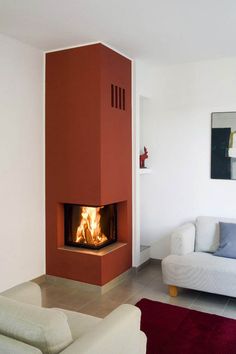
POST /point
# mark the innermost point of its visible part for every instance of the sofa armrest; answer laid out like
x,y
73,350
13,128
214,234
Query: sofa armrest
x,y
117,333
29,293
183,239
12,346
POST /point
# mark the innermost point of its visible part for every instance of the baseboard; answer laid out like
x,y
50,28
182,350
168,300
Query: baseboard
x,y
141,266
85,286
155,260
39,280
149,261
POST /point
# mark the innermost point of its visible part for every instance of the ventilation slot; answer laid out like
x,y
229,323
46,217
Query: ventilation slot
x,y
117,97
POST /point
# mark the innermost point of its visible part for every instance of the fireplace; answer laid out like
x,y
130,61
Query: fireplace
x,y
81,87
90,226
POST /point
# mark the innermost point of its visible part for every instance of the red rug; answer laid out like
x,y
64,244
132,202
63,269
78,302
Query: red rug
x,y
177,330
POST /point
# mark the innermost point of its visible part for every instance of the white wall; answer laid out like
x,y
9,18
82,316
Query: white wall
x,y
22,233
177,132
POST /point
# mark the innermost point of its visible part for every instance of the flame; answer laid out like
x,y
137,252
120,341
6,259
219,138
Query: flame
x,y
89,231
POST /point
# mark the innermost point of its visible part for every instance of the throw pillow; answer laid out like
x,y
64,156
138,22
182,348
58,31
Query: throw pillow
x,y
227,247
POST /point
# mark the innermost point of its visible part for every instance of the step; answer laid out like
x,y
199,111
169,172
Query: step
x,y
144,253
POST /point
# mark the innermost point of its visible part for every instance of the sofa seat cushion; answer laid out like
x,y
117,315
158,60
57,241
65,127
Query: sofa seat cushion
x,y
201,271
45,329
80,323
207,233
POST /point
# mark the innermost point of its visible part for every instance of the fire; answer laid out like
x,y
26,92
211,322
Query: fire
x,y
89,231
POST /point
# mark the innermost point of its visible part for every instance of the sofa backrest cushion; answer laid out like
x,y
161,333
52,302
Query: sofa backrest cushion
x,y
208,234
45,329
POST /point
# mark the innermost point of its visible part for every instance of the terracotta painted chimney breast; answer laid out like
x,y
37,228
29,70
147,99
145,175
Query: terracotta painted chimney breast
x,y
88,155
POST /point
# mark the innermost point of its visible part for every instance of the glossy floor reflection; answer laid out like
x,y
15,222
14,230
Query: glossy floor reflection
x,y
147,283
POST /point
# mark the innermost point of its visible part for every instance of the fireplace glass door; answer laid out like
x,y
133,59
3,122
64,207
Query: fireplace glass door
x,y
90,226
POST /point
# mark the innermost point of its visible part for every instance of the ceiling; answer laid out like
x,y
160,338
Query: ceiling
x,y
159,31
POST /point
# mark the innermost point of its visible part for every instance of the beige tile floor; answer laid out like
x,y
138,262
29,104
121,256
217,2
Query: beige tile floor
x,y
147,283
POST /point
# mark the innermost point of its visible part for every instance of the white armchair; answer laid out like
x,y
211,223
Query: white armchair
x,y
26,327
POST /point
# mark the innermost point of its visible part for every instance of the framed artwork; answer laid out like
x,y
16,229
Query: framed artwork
x,y
223,145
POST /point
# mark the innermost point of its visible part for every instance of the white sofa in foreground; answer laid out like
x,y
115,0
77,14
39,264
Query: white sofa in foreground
x,y
192,263
27,328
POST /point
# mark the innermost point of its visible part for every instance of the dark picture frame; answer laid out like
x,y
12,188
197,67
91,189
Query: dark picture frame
x,y
223,145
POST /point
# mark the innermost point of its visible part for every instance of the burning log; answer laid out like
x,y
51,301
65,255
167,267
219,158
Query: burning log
x,y
89,231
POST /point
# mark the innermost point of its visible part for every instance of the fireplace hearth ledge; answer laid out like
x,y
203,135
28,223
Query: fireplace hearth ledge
x,y
89,287
102,252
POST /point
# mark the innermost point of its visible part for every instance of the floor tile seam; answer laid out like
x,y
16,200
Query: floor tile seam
x,y
86,304
210,305
147,283
94,300
194,301
227,302
134,291
129,298
125,298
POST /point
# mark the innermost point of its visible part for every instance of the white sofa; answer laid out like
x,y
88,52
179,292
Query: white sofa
x,y
192,263
27,328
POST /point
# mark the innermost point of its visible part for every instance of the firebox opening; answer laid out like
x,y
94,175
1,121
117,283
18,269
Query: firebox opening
x,y
90,226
